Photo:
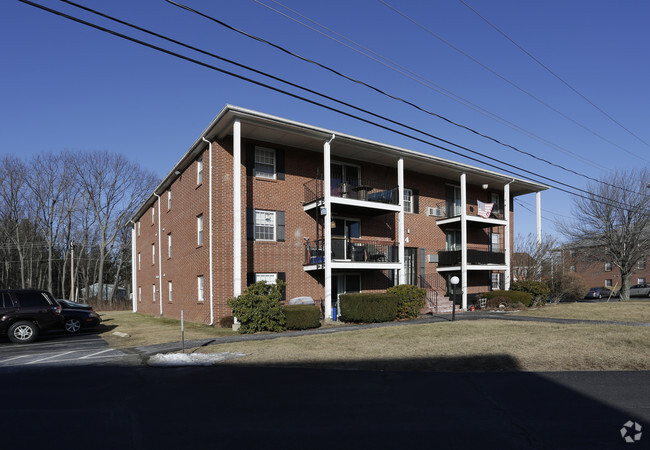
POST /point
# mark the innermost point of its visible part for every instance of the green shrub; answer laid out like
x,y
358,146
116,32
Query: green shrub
x,y
515,296
302,317
368,308
567,286
537,289
507,303
410,300
259,309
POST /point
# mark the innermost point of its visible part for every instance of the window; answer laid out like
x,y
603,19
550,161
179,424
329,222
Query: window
x,y
199,287
608,283
408,200
495,245
153,215
268,278
169,198
572,253
496,281
153,254
608,267
171,290
641,264
199,229
641,280
572,268
139,293
199,170
139,260
264,162
138,228
169,245
154,293
264,225
453,240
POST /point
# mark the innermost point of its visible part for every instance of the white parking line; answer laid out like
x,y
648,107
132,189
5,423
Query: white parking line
x,y
50,357
96,353
14,358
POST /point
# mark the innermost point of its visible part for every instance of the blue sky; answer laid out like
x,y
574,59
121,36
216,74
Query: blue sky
x,y
66,86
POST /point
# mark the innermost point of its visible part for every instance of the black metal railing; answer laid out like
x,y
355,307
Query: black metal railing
x,y
354,188
447,258
357,251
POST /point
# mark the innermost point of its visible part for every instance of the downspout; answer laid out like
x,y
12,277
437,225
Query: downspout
x,y
160,296
134,268
210,234
327,225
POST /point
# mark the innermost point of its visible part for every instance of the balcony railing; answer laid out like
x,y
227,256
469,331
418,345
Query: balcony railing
x,y
347,250
475,256
354,188
448,209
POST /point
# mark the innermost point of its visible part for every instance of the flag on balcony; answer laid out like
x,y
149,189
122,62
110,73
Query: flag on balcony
x,y
484,209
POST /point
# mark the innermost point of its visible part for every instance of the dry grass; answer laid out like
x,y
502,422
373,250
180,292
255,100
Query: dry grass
x,y
148,330
629,311
459,346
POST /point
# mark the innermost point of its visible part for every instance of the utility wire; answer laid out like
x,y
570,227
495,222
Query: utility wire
x,y
298,97
553,73
513,84
424,81
376,89
329,69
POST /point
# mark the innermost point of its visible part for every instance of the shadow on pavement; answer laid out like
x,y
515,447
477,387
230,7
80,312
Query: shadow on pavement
x,y
311,408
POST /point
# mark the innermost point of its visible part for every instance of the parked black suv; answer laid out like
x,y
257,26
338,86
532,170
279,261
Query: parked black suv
x,y
25,312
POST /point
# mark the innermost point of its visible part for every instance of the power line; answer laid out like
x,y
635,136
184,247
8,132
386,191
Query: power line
x,y
553,73
513,84
307,100
426,82
374,88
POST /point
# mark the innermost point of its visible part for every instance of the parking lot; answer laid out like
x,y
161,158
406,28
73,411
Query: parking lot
x,y
59,349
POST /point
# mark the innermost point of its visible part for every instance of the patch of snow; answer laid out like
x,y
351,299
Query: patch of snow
x,y
190,359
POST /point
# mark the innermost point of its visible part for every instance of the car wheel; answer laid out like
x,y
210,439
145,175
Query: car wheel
x,y
72,325
23,332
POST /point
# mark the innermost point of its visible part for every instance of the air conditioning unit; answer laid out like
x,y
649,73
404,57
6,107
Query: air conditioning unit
x,y
435,212
432,258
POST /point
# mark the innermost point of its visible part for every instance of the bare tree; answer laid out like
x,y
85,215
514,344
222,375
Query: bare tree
x,y
532,260
612,222
114,187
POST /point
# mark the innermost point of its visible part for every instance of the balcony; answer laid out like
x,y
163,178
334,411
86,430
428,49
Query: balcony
x,y
353,189
352,251
475,256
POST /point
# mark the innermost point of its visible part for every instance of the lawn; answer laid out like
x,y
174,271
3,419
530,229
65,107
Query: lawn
x,y
481,345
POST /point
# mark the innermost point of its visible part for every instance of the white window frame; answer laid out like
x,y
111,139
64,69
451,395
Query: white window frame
x,y
266,217
573,268
170,295
199,230
641,280
200,287
154,292
266,157
267,277
169,198
153,254
408,201
139,293
199,170
608,283
169,245
139,261
138,228
153,215
641,264
608,267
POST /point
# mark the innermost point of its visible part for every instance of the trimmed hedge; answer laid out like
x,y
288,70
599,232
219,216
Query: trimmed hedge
x,y
516,296
302,317
368,308
411,300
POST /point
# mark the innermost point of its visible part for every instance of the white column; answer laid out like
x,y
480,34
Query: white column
x,y
211,232
327,225
134,270
506,233
236,209
400,219
538,198
463,239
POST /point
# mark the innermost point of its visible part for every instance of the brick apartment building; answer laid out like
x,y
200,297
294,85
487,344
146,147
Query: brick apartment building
x,y
258,197
598,272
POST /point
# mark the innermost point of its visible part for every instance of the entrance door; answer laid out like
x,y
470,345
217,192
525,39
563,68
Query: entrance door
x,y
344,284
343,230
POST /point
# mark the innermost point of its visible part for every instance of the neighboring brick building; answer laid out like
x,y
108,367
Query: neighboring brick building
x,y
596,271
259,197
